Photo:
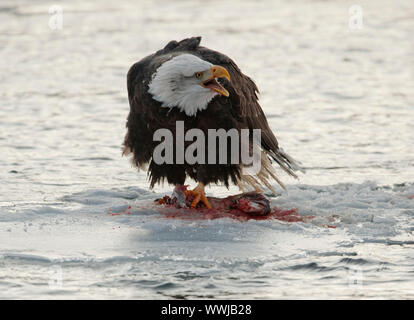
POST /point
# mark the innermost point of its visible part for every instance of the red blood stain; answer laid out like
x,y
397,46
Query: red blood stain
x,y
126,211
241,207
171,212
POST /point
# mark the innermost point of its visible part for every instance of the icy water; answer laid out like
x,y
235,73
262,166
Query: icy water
x,y
340,100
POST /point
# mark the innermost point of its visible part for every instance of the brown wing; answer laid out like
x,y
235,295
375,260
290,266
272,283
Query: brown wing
x,y
244,101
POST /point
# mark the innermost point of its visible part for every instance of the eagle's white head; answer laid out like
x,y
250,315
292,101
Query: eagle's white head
x,y
188,83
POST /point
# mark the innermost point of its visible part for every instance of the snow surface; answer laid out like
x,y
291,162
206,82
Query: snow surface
x,y
339,100
142,254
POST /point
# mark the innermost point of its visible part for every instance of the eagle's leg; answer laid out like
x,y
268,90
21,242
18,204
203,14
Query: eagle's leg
x,y
199,195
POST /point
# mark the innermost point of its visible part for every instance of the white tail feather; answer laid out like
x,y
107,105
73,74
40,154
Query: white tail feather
x,y
267,173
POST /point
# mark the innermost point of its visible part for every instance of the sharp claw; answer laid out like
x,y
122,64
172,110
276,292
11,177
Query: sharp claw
x,y
198,196
196,200
205,201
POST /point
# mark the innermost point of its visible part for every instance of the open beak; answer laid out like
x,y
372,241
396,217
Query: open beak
x,y
212,84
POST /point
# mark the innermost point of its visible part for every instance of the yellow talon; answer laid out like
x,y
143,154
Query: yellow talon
x,y
199,195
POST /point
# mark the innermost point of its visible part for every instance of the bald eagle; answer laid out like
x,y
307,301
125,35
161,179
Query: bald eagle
x,y
206,90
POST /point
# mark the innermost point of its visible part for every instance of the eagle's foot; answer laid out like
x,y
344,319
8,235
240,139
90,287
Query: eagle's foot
x,y
198,195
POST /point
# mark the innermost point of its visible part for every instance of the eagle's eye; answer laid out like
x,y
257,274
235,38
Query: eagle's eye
x,y
198,75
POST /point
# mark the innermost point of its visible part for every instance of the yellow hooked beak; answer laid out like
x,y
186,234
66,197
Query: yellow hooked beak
x,y
212,84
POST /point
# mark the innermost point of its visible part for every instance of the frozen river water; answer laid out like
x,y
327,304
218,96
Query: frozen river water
x,y
340,100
